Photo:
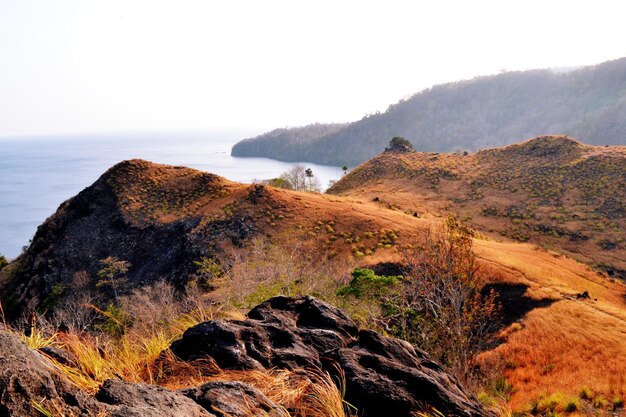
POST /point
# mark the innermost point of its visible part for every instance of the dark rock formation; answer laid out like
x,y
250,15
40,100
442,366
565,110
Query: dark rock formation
x,y
26,380
384,376
233,399
140,400
281,332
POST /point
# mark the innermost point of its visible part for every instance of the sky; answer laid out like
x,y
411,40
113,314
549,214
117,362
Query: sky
x,y
84,66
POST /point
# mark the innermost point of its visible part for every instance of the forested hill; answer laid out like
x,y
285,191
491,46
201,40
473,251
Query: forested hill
x,y
491,111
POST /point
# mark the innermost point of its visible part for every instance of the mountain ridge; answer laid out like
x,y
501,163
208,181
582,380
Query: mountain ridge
x,y
484,112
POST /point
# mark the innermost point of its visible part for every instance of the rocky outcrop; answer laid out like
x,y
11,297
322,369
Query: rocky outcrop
x,y
138,400
384,376
281,332
233,399
27,380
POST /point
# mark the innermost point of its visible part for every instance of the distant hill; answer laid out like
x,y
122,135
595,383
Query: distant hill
x,y
551,190
588,103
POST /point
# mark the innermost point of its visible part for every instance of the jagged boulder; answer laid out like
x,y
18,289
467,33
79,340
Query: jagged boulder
x,y
384,376
282,332
233,399
27,380
138,400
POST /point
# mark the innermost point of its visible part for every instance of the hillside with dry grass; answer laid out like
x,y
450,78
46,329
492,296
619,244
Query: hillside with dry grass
x,y
162,221
191,247
552,191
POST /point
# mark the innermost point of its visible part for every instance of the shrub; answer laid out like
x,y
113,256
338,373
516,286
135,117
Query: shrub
x,y
280,183
571,405
600,402
585,394
207,270
399,142
115,321
443,309
366,283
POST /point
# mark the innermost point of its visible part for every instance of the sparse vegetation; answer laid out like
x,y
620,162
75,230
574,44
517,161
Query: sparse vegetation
x,y
545,191
112,273
439,305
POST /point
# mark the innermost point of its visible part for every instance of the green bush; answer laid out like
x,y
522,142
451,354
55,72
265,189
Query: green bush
x,y
365,282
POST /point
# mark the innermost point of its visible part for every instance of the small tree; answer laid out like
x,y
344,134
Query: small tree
x,y
438,304
112,273
345,169
296,177
309,175
443,309
399,143
3,262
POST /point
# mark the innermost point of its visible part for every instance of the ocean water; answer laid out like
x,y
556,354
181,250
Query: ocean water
x,y
38,174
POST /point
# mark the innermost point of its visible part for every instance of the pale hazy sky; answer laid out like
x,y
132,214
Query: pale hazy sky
x,y
131,65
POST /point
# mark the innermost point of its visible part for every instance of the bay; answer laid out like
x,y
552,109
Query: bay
x,y
38,174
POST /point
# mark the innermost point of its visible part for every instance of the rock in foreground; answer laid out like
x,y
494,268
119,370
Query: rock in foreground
x,y
384,376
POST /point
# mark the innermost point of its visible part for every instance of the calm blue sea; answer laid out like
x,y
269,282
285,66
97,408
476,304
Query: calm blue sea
x,y
38,174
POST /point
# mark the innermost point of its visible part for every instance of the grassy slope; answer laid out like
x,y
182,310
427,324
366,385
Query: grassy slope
x,y
568,344
552,191
571,344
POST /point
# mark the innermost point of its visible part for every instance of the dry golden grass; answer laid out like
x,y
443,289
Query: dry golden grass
x,y
571,344
545,190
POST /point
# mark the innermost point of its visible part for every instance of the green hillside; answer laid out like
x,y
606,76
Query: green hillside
x,y
491,111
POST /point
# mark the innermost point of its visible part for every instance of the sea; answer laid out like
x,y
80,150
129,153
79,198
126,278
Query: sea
x,y
37,174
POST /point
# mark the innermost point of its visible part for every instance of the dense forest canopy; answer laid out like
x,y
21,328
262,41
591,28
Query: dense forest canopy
x,y
490,111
